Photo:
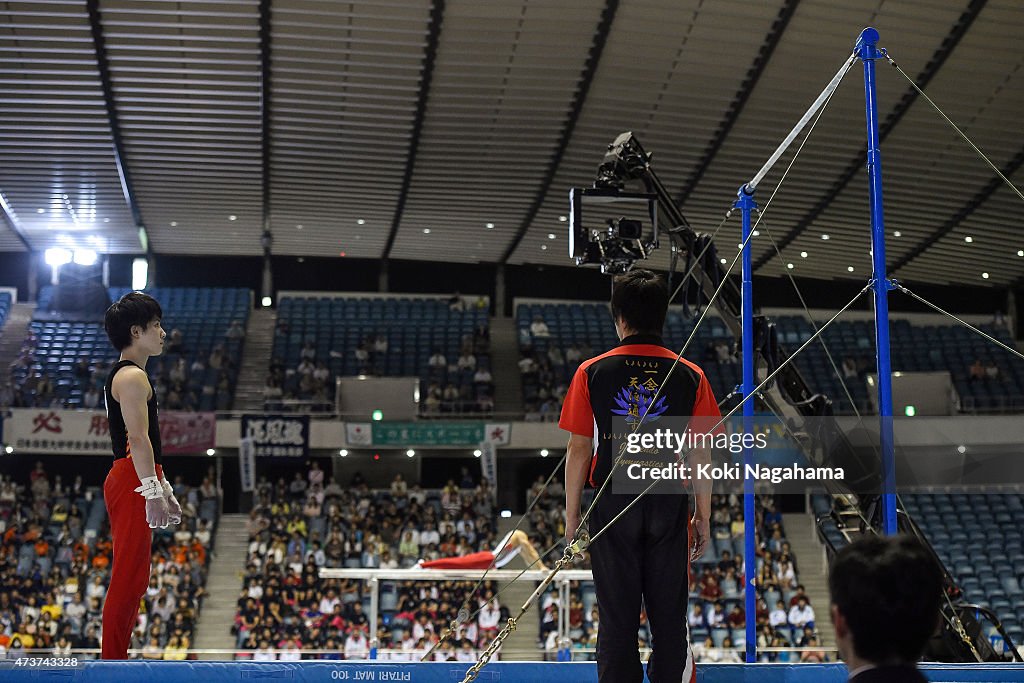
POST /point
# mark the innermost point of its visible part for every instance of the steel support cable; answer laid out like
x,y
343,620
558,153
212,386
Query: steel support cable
x,y
824,346
959,320
578,544
700,256
929,100
463,615
739,405
820,105
657,393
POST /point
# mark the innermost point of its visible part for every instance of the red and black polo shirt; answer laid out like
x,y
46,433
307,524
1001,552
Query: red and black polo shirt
x,y
616,384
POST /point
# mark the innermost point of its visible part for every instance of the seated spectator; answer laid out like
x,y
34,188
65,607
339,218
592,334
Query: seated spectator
x,y
91,398
778,618
380,344
467,361
175,343
991,370
538,328
801,615
482,376
977,370
437,360
235,330
455,302
697,617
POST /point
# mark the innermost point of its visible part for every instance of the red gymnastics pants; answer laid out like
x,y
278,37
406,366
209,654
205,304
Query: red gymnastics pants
x,y
481,560
133,540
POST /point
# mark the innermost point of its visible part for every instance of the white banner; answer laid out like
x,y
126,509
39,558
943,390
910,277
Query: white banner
x,y
247,464
358,433
489,464
58,431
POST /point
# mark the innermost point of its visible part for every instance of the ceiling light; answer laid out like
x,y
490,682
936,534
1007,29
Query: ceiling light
x,y
824,237
739,245
85,257
299,226
9,450
174,224
961,449
897,234
757,233
232,217
490,226
106,220
1020,252
57,256
343,452
551,235
543,247
803,254
849,268
477,453
724,261
984,275
410,452
426,231
790,266
210,451
968,239
40,210
563,218
360,222
543,452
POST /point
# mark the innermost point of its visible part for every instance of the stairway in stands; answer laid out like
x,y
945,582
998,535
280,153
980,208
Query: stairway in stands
x,y
223,583
508,383
14,331
813,571
252,376
521,645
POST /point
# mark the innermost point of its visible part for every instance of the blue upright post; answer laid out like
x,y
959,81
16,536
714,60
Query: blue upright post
x,y
746,204
867,50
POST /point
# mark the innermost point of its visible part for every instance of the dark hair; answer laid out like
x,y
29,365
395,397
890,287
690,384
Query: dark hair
x,y
889,589
134,308
640,298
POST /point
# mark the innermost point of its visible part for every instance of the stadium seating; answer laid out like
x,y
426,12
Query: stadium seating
x,y
915,348
978,537
203,315
413,327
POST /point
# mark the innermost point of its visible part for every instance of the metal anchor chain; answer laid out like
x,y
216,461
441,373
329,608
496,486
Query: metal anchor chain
x,y
573,552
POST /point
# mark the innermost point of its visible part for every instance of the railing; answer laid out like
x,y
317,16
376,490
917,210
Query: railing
x,y
717,654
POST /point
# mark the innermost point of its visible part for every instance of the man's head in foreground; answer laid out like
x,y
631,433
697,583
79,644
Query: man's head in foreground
x,y
886,593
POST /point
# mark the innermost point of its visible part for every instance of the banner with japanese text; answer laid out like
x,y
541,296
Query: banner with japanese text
x,y
429,433
46,430
277,435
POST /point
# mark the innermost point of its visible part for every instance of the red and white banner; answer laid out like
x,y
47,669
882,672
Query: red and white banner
x,y
44,430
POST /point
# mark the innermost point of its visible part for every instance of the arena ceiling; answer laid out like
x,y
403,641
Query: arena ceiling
x,y
451,130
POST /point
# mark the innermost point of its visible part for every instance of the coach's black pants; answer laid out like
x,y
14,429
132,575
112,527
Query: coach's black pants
x,y
643,557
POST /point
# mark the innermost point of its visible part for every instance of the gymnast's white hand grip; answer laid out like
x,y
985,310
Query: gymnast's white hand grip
x,y
150,488
157,513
